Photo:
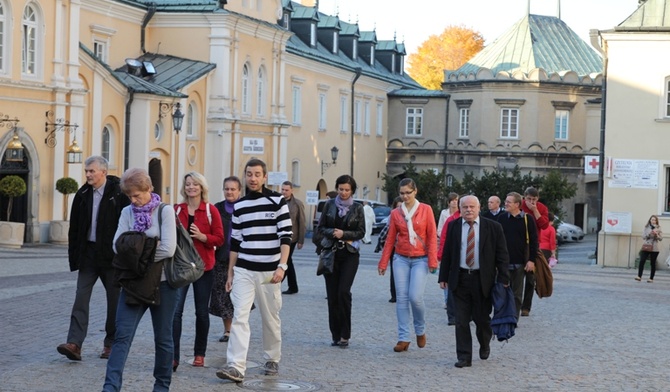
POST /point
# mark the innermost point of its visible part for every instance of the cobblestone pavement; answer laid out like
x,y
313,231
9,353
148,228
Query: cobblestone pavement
x,y
600,331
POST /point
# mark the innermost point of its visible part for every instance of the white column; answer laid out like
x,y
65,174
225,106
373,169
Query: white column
x,y
73,45
57,76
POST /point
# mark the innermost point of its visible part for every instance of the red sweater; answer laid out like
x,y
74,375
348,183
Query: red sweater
x,y
543,221
213,231
398,236
548,238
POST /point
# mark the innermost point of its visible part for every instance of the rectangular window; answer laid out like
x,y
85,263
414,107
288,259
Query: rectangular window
x,y
667,100
667,190
561,124
414,121
357,116
343,114
297,105
29,46
464,122
335,42
366,117
100,50
322,112
312,35
509,123
380,119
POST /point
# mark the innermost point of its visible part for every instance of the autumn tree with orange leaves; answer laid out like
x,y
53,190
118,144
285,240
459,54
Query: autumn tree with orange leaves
x,y
449,50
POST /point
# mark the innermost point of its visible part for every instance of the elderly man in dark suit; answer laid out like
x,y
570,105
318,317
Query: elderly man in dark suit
x,y
474,252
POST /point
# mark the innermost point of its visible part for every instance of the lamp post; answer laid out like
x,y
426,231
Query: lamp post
x,y
333,154
14,152
177,118
53,125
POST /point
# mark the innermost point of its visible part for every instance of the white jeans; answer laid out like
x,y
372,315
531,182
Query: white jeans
x,y
247,286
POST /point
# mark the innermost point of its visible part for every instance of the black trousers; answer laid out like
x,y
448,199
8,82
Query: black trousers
x,y
643,259
88,274
471,305
290,271
338,288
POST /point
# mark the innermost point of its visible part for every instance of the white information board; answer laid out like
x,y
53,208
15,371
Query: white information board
x,y
312,198
618,222
634,173
252,145
276,178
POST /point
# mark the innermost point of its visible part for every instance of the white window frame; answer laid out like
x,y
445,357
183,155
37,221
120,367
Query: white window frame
x,y
5,30
322,112
366,118
562,124
158,130
107,142
312,34
357,116
414,116
354,50
372,55
380,119
100,49
192,120
297,105
261,92
246,84
344,113
509,123
336,41
666,113
31,65
464,122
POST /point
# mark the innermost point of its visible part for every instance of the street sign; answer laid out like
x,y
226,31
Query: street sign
x,y
312,198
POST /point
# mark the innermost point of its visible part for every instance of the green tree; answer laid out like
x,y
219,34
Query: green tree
x,y
449,50
556,188
66,186
500,183
11,187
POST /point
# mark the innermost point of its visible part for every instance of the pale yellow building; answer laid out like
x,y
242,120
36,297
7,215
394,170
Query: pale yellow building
x,y
270,79
636,177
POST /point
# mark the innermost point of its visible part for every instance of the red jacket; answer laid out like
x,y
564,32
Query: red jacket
x,y
443,235
213,231
398,236
543,221
548,238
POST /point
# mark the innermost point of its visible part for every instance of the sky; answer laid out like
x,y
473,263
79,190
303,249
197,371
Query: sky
x,y
416,20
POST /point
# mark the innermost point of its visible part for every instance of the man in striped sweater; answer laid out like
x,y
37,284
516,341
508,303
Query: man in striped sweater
x,y
259,249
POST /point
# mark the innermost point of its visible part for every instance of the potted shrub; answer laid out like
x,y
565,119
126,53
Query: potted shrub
x,y
11,233
58,230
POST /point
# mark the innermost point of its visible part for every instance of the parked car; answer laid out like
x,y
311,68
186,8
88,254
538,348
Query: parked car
x,y
381,218
374,204
567,232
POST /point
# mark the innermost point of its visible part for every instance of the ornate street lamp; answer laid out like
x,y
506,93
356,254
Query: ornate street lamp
x,y
333,154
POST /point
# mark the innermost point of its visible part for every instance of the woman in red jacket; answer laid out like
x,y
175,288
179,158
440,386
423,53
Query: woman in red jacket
x,y
413,227
203,221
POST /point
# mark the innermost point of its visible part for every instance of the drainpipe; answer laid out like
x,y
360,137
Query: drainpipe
x,y
150,14
126,142
596,41
353,120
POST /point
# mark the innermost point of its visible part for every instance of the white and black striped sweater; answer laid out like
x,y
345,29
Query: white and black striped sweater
x,y
261,224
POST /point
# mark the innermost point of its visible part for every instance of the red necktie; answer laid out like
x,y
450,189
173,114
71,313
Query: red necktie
x,y
470,254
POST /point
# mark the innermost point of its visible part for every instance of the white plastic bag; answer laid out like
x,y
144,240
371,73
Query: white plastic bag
x,y
667,261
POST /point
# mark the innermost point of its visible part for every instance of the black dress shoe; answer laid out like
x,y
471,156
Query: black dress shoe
x,y
290,292
392,300
463,363
484,352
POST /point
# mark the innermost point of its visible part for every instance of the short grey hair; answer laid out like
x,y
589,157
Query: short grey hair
x,y
101,161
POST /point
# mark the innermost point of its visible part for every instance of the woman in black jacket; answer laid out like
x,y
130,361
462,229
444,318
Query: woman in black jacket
x,y
343,222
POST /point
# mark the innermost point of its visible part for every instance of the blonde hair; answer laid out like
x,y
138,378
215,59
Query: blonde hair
x,y
198,179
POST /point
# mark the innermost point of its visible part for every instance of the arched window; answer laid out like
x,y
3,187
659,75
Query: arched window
x,y
29,44
106,142
158,130
295,172
4,31
191,120
245,89
260,109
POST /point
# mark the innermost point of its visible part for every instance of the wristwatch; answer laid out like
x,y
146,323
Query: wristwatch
x,y
283,266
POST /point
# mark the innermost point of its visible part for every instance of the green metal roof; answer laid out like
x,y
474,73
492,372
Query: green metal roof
x,y
386,45
176,5
305,13
328,22
653,15
172,74
418,93
349,29
536,41
368,36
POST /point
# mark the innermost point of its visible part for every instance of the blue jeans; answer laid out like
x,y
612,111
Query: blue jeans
x,y
411,275
127,319
202,291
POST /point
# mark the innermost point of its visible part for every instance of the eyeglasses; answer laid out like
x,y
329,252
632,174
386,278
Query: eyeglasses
x,y
407,193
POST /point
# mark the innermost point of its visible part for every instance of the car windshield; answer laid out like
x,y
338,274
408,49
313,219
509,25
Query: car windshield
x,y
382,211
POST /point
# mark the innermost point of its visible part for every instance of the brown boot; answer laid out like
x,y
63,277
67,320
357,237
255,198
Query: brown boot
x,y
401,346
421,340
